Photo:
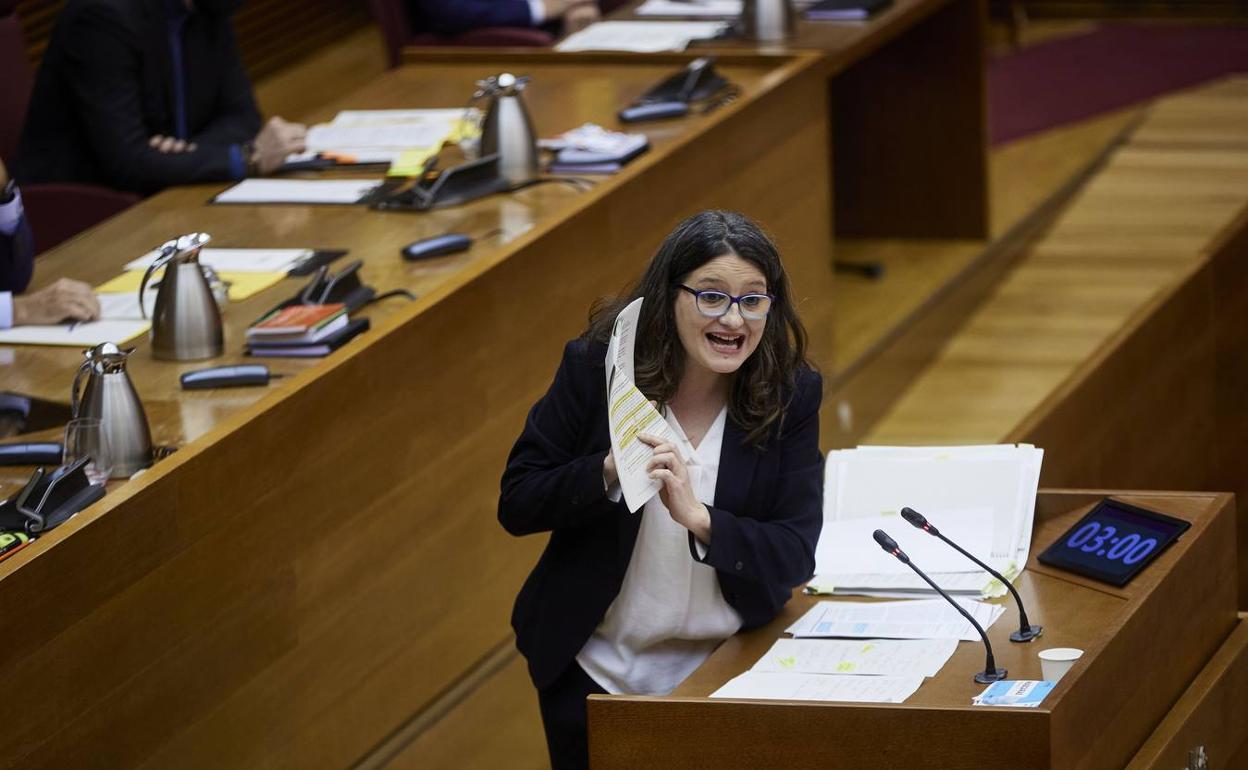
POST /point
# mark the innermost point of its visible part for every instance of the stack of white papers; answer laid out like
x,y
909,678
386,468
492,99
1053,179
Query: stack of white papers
x,y
757,685
982,497
690,8
381,136
328,191
237,260
641,36
912,619
80,335
873,657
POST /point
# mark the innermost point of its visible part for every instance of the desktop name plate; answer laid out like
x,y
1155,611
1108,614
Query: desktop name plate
x,y
1114,542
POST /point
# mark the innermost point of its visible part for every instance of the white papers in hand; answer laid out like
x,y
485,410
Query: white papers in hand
x,y
690,8
335,191
640,36
877,657
629,412
914,619
237,260
756,685
82,335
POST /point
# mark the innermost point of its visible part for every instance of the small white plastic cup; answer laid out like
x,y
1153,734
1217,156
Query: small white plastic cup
x,y
1055,662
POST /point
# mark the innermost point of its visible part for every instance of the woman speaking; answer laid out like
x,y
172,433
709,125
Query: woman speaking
x,y
626,602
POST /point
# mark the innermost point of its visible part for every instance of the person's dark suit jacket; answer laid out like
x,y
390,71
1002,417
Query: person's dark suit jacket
x,y
106,87
451,17
764,524
17,259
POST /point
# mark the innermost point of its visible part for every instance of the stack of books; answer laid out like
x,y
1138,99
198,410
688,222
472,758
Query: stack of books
x,y
303,331
591,149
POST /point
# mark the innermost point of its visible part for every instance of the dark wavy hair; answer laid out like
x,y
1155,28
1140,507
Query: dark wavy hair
x,y
761,387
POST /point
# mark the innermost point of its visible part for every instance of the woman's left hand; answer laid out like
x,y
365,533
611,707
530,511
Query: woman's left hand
x,y
676,493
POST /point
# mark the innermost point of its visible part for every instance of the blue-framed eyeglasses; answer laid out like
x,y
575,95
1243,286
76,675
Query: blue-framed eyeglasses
x,y
716,304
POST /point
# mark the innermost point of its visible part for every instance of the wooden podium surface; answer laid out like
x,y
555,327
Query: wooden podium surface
x,y
1144,644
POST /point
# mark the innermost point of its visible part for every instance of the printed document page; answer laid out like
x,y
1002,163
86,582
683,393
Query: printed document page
x,y
846,545
83,335
640,36
236,260
879,657
690,8
913,619
335,191
629,412
757,685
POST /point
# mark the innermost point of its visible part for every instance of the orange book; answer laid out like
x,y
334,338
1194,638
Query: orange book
x,y
298,320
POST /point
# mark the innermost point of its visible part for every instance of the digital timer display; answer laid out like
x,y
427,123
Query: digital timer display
x,y
1113,542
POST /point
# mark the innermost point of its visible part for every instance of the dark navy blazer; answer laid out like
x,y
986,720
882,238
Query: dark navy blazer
x,y
764,523
17,258
451,17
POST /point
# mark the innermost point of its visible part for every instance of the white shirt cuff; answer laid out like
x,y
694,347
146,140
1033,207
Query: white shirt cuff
x,y
537,12
11,214
614,491
6,310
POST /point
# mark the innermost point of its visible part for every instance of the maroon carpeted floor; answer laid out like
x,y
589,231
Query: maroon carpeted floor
x,y
1067,80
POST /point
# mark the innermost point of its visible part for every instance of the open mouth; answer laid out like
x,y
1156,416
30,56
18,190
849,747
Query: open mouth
x,y
726,343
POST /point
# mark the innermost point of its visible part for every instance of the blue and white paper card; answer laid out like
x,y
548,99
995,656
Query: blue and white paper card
x,y
1021,693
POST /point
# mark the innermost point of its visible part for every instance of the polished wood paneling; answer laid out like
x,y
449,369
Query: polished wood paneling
x,y
320,560
907,88
1213,713
1097,717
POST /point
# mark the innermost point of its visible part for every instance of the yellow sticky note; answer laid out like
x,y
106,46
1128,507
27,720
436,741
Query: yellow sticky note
x,y
411,162
242,285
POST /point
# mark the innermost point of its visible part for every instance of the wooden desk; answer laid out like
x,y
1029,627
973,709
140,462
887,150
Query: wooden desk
x,y
1099,715
320,560
909,116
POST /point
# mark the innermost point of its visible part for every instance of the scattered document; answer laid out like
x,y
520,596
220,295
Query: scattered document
x,y
1020,693
641,36
299,191
394,129
912,619
690,8
241,285
629,413
83,335
237,260
875,657
983,497
907,586
758,685
848,544
124,305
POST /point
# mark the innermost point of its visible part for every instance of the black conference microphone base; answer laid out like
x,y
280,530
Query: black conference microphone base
x,y
1028,634
988,677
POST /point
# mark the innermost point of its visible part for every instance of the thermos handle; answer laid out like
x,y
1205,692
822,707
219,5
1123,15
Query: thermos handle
x,y
166,254
74,394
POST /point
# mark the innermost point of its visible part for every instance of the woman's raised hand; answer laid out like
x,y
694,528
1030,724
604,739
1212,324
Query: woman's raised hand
x,y
676,493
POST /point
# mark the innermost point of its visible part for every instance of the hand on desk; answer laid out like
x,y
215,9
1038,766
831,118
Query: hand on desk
x,y
65,299
275,141
580,16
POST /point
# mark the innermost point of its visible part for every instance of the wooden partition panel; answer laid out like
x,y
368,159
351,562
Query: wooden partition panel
x,y
1162,403
317,564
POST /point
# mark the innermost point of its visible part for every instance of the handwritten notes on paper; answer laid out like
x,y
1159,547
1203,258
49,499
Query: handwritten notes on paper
x,y
758,685
629,413
877,657
912,619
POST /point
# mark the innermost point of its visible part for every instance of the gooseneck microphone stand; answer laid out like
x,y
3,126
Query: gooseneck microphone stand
x,y
990,673
1026,631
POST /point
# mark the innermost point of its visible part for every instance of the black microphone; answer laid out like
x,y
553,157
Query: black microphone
x,y
990,673
1026,631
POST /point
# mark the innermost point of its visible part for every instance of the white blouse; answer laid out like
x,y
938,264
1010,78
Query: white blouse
x,y
670,614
